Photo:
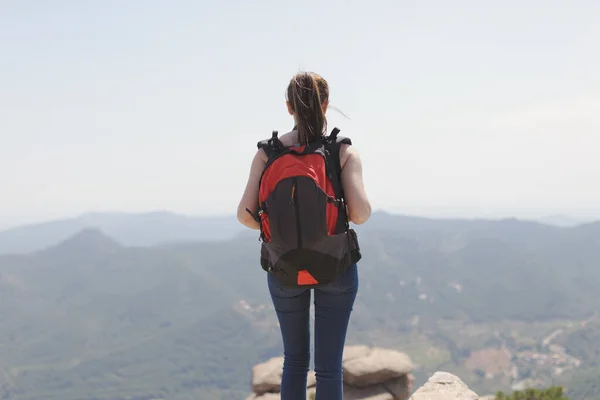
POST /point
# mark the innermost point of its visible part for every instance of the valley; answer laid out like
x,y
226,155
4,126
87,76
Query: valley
x,y
503,304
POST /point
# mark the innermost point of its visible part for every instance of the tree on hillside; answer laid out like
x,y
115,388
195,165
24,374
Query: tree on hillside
x,y
551,393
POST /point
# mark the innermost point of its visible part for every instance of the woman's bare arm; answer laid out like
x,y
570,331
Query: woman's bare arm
x,y
359,207
249,199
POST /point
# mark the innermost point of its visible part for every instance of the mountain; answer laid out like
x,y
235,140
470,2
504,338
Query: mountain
x,y
500,303
561,220
89,318
145,229
155,228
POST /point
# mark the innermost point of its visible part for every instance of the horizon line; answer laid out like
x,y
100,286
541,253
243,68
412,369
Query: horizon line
x,y
568,219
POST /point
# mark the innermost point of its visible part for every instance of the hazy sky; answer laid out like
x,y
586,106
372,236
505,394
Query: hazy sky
x,y
464,107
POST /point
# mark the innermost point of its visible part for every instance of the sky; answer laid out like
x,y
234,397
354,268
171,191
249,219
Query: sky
x,y
462,108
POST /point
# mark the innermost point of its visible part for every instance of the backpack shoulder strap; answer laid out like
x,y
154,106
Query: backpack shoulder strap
x,y
334,136
271,146
333,143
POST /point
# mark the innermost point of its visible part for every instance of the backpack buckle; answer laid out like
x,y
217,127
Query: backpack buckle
x,y
275,142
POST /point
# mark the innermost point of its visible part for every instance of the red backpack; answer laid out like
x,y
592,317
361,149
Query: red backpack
x,y
306,238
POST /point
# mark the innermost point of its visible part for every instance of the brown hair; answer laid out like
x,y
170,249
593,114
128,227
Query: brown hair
x,y
307,92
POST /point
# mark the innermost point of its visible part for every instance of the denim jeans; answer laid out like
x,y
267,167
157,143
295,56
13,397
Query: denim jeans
x,y
333,306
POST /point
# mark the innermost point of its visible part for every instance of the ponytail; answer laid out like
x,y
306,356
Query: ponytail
x,y
307,93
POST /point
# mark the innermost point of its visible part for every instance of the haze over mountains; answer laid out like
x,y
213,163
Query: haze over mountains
x,y
144,229
149,229
502,304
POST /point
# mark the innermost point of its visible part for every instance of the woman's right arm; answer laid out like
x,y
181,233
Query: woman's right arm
x,y
359,207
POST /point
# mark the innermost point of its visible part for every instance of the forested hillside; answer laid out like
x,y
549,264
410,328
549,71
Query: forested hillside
x,y
503,304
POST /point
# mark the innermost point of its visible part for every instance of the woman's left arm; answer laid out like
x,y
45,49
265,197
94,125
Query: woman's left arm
x,y
250,197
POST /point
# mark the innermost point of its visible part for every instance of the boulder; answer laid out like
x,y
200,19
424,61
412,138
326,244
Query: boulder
x,y
266,396
311,380
266,377
369,374
352,352
377,366
401,387
369,393
444,386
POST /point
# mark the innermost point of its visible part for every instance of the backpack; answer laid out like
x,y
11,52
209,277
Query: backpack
x,y
306,238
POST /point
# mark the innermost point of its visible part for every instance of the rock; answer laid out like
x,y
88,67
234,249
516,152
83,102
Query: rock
x,y
371,393
352,352
444,386
369,374
400,388
311,380
277,396
266,396
377,366
266,377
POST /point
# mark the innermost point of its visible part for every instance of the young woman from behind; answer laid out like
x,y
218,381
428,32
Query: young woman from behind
x,y
308,101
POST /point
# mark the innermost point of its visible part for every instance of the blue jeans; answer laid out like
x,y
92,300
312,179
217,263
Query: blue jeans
x,y
333,306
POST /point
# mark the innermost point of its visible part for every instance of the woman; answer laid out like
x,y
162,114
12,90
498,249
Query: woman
x,y
308,101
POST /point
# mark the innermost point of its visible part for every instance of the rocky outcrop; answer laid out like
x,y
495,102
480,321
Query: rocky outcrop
x,y
369,373
444,386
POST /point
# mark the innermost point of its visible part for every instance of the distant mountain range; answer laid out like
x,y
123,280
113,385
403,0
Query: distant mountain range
x,y
562,220
144,229
501,303
150,229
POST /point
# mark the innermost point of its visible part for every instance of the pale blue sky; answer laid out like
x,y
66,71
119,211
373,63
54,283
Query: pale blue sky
x,y
457,107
